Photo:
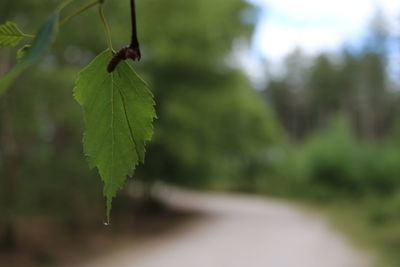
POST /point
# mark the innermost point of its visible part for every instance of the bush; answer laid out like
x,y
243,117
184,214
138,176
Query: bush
x,y
333,164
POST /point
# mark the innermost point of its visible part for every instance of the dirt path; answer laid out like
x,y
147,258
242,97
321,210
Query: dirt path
x,y
239,231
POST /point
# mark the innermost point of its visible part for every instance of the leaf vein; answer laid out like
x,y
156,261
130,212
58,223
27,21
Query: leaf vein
x,y
128,122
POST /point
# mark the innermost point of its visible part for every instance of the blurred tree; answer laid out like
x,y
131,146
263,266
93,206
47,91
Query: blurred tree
x,y
356,83
211,124
324,94
288,94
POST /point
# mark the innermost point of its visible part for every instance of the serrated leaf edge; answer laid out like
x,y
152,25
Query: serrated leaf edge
x,y
10,30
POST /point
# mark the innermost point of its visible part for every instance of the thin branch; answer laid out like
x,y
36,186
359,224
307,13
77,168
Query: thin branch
x,y
106,27
65,4
79,11
134,40
28,35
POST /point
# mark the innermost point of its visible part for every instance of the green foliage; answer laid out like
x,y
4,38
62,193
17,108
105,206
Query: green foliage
x,y
119,110
221,134
10,34
332,164
315,89
22,51
327,161
118,123
384,209
42,42
198,43
213,128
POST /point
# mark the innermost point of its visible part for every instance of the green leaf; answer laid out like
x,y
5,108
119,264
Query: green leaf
x,y
42,42
22,51
119,111
10,35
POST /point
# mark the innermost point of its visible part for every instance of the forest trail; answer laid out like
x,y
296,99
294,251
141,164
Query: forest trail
x,y
240,231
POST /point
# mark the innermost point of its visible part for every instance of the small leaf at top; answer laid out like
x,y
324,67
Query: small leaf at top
x,y
119,111
22,51
42,42
10,34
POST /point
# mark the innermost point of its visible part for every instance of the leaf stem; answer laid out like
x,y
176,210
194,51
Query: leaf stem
x,y
105,25
79,11
65,4
28,35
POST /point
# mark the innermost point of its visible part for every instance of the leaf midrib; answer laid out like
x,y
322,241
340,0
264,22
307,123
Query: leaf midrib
x,y
13,35
129,123
15,32
112,128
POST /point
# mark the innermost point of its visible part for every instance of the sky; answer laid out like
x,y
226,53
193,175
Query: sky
x,y
315,25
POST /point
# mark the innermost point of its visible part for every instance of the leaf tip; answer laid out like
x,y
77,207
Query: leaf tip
x,y
108,209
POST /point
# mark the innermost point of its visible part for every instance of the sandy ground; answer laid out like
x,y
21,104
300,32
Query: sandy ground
x,y
240,231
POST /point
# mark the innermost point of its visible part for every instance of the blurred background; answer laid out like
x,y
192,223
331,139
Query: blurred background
x,y
295,100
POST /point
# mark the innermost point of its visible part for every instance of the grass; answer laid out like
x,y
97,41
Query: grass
x,y
381,240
